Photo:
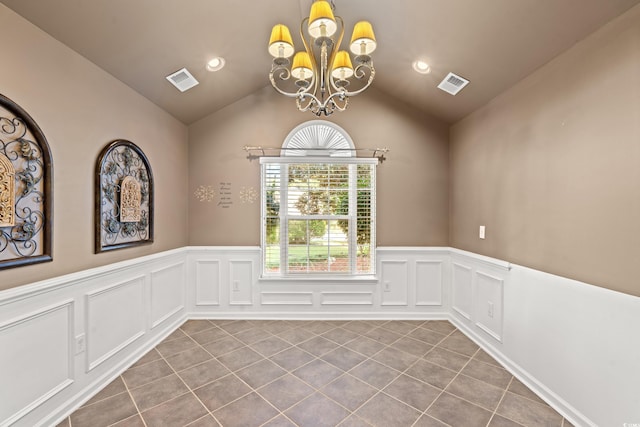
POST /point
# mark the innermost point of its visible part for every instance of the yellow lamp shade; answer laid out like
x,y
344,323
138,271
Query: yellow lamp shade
x,y
342,68
322,23
363,41
280,43
301,68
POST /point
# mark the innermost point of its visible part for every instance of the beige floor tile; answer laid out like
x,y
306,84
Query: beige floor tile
x,y
413,392
189,358
157,392
493,375
528,412
317,373
222,391
141,375
383,410
285,392
343,358
203,373
179,411
250,410
374,373
476,391
349,391
317,411
292,358
292,374
457,412
105,412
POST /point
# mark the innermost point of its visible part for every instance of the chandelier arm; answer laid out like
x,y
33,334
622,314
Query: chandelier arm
x,y
334,51
372,75
308,47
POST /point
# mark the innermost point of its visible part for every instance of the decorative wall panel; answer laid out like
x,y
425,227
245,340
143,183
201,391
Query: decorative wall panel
x,y
286,298
123,197
167,293
26,196
394,282
37,342
240,282
207,282
347,298
488,304
429,283
109,330
462,285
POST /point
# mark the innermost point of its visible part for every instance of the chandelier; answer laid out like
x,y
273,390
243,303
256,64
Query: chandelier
x,y
320,75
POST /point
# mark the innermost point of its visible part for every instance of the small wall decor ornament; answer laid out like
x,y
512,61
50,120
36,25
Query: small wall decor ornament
x,y
26,197
205,193
248,195
124,197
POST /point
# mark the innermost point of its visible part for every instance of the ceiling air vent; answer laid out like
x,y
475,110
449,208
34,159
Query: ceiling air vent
x,y
182,79
453,83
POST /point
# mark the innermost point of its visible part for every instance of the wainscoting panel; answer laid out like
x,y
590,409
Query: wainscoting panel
x,y
286,298
346,298
115,317
549,331
207,282
395,281
36,359
462,290
167,292
63,339
488,304
429,282
241,282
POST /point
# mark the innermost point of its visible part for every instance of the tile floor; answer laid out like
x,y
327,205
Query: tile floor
x,y
316,373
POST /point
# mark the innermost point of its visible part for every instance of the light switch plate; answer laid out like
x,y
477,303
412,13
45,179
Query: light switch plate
x,y
482,232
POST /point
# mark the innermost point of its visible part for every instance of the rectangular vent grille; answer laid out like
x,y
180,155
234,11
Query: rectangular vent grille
x,y
453,83
182,79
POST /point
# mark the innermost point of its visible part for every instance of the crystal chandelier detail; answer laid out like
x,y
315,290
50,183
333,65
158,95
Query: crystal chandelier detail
x,y
322,73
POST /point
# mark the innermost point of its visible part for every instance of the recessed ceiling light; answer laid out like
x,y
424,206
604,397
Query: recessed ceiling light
x,y
421,67
215,64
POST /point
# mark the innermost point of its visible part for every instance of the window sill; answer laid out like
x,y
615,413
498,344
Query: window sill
x,y
306,279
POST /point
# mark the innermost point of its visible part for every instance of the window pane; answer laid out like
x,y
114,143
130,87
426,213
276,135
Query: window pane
x,y
319,245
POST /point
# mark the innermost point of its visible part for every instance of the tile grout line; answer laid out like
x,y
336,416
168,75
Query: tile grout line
x,y
126,386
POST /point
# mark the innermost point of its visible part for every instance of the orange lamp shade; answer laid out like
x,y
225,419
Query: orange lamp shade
x,y
301,68
363,41
280,43
322,23
342,67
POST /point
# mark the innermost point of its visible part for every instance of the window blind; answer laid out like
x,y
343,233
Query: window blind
x,y
318,217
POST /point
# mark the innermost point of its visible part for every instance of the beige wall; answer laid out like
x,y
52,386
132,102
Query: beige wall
x,y
80,109
552,166
412,184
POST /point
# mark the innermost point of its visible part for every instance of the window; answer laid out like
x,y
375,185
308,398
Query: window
x,y
318,216
318,206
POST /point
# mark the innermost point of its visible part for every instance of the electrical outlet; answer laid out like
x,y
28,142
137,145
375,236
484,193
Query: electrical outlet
x,y
490,309
482,232
81,344
236,286
387,287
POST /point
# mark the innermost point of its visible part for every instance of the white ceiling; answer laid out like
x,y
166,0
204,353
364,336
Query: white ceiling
x,y
493,43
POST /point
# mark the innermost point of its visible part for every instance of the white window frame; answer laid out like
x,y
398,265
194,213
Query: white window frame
x,y
352,217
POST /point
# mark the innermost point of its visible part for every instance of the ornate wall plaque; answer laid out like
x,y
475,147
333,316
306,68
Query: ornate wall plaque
x,y
26,197
130,200
7,193
124,197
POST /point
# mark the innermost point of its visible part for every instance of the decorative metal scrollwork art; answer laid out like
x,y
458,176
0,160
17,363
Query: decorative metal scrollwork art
x,y
25,189
124,197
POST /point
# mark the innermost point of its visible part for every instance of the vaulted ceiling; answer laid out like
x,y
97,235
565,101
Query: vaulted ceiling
x,y
493,43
